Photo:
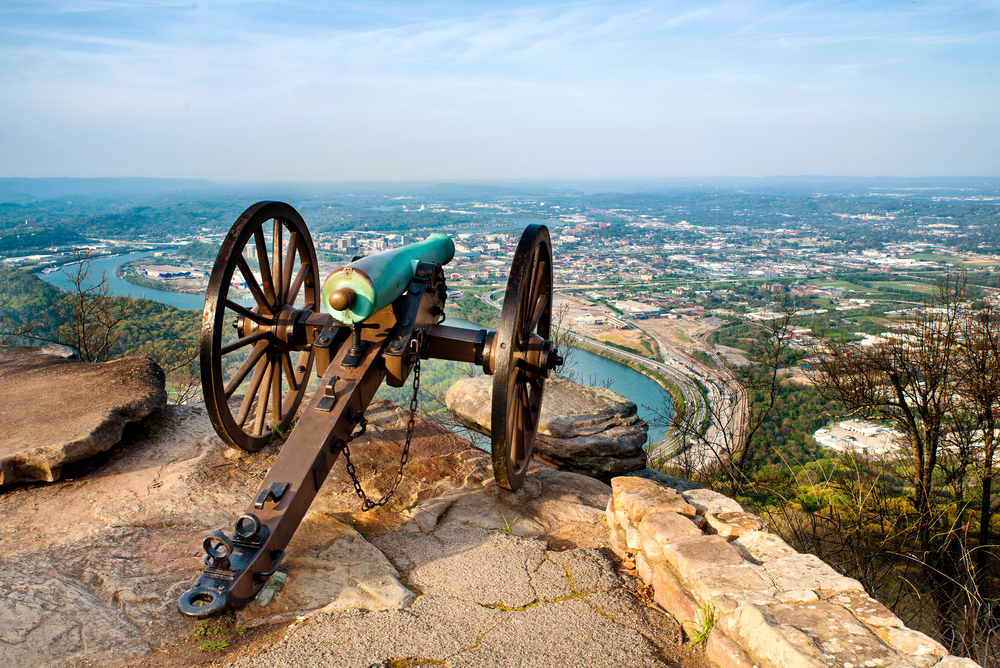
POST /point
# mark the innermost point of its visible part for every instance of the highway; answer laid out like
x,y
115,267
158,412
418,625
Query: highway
x,y
680,374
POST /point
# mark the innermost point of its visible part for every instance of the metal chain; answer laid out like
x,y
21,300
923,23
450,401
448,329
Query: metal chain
x,y
366,503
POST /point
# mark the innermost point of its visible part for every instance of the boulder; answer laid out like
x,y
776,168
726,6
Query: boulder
x,y
588,430
56,411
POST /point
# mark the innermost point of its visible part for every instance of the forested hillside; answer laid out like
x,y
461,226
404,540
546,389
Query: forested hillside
x,y
34,312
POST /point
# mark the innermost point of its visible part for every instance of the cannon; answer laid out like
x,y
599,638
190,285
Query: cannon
x,y
268,322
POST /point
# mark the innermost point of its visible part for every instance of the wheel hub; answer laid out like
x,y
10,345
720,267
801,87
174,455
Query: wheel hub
x,y
285,329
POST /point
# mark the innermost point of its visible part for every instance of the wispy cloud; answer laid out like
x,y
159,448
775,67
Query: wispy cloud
x,y
492,79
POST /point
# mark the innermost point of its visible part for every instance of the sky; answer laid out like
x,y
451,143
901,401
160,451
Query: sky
x,y
253,91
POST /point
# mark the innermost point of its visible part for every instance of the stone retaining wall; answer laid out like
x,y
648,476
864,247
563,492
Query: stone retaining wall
x,y
772,606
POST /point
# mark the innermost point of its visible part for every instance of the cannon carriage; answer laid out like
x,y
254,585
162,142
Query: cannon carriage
x,y
369,322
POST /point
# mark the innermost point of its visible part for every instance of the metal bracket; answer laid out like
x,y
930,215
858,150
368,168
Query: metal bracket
x,y
274,492
322,346
329,397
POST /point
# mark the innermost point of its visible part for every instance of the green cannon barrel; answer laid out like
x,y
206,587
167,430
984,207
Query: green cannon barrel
x,y
370,284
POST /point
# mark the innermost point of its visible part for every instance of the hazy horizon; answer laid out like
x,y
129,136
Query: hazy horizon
x,y
288,92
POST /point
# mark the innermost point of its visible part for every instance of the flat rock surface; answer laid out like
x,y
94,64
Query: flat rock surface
x,y
56,411
487,599
94,564
587,430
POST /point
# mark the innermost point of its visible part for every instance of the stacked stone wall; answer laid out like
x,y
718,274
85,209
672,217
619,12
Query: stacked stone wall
x,y
716,568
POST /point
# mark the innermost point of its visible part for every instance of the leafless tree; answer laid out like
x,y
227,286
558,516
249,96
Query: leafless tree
x,y
89,318
730,445
92,320
934,377
980,393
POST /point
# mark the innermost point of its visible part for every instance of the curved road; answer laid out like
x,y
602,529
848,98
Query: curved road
x,y
687,386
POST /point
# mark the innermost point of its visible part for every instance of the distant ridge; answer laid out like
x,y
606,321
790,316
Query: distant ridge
x,y
23,190
15,188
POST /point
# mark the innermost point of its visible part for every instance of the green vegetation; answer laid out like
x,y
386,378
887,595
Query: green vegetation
x,y
199,250
16,241
932,257
100,326
214,634
704,359
698,632
471,308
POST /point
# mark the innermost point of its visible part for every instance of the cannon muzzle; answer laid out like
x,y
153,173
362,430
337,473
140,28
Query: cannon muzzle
x,y
353,293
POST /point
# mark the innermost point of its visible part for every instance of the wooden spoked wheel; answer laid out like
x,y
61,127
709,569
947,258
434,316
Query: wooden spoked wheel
x,y
254,365
522,353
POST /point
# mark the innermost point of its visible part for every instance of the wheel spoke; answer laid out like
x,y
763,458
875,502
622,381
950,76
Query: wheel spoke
x,y
265,267
293,290
276,372
258,375
535,291
247,313
286,364
524,415
255,355
525,304
276,256
262,397
241,342
543,301
286,274
532,421
252,284
513,428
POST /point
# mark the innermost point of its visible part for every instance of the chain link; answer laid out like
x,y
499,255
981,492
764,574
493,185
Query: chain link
x,y
366,503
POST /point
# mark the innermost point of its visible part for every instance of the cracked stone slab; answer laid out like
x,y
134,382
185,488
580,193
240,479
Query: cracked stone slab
x,y
806,635
573,611
566,508
760,547
349,572
639,497
706,501
689,555
732,525
49,618
807,571
658,529
431,562
727,587
57,411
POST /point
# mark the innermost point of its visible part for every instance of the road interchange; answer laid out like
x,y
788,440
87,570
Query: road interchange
x,y
723,404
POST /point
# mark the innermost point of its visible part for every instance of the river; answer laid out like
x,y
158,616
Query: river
x,y
590,369
110,265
